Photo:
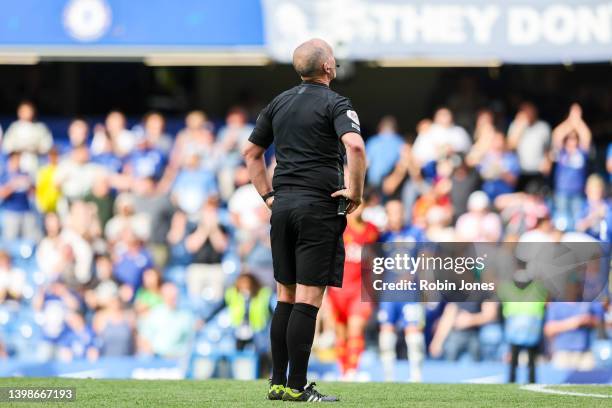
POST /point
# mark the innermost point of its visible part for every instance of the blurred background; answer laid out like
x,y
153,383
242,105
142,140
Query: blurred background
x,y
132,244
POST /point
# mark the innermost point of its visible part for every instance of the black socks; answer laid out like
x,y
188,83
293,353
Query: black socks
x,y
278,339
300,334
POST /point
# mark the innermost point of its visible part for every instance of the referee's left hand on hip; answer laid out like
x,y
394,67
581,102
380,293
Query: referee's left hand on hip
x,y
354,200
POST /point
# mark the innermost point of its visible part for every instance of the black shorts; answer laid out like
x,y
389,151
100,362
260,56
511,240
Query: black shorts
x,y
306,237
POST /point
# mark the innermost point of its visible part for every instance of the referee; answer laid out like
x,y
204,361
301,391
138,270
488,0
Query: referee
x,y
312,128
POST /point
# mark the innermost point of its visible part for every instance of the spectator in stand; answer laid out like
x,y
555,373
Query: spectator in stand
x,y
230,140
157,209
54,302
568,325
154,125
114,326
27,136
12,280
78,340
459,327
193,185
101,290
404,182
18,218
149,295
75,175
499,167
522,211
571,141
145,160
207,245
593,217
131,260
101,198
383,151
121,139
47,191
177,235
530,137
79,233
479,224
609,162
165,331
441,139
51,255
464,180
78,132
102,152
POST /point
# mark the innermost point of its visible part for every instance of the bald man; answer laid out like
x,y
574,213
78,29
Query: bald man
x,y
313,129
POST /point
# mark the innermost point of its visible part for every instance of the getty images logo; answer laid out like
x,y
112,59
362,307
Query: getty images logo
x,y
87,20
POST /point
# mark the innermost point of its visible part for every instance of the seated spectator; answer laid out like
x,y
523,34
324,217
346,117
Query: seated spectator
x,y
18,218
47,191
149,295
114,327
28,137
103,288
77,341
441,139
568,325
530,137
572,141
383,150
593,217
131,260
193,185
479,224
207,245
166,329
54,302
12,280
459,327
498,167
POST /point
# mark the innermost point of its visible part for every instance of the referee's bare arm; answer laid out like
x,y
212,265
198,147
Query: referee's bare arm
x,y
356,159
254,158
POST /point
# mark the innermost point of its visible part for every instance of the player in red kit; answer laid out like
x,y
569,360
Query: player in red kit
x,y
350,313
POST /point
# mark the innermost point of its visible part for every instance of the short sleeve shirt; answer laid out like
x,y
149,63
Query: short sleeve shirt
x,y
306,125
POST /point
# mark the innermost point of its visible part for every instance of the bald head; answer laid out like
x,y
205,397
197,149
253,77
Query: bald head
x,y
309,58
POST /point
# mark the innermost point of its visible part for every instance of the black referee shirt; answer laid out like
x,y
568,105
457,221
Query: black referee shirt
x,y
306,124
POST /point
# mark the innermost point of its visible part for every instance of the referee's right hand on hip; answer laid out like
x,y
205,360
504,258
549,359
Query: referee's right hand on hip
x,y
354,199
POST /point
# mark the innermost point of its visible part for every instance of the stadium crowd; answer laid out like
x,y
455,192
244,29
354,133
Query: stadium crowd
x,y
132,241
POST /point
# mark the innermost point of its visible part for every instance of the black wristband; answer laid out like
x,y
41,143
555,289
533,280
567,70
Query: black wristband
x,y
267,195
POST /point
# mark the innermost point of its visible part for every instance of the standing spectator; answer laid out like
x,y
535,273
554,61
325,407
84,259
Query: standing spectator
x,y
47,191
102,198
121,139
230,140
149,295
77,340
155,132
530,137
165,330
383,150
441,139
51,254
78,132
104,287
593,217
157,210
499,167
479,224
207,245
146,160
18,219
75,174
27,136
404,182
132,259
464,180
193,185
572,141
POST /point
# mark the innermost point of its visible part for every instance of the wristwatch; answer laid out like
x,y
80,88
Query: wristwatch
x,y
267,195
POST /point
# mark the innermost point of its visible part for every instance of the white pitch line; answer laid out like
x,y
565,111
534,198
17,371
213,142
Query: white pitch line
x,y
542,388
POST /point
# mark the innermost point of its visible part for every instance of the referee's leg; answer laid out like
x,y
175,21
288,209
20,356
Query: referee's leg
x,y
278,332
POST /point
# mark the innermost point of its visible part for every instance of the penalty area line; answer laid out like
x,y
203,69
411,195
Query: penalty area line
x,y
542,388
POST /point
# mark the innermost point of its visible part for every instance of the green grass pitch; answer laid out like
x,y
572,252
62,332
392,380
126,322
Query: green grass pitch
x,y
225,393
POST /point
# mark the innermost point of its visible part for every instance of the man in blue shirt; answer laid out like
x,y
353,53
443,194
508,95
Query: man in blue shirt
x,y
18,219
132,260
383,151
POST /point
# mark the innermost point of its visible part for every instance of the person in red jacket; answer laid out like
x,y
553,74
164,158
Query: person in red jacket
x,y
351,314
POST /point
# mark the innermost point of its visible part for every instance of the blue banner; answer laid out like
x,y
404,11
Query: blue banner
x,y
146,23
